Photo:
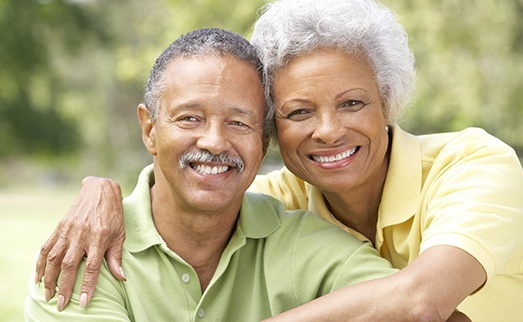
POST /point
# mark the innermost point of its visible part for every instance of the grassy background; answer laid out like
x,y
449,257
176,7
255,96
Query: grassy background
x,y
27,217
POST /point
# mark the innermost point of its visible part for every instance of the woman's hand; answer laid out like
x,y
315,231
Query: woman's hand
x,y
92,227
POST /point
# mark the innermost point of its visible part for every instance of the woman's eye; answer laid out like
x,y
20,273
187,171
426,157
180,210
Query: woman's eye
x,y
298,115
353,105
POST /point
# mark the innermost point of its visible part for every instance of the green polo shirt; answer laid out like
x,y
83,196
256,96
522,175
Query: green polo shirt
x,y
275,261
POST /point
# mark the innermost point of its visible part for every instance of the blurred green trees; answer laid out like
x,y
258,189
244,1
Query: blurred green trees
x,y
72,71
469,57
30,85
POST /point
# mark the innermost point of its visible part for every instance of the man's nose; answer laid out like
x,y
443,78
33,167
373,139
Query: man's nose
x,y
214,139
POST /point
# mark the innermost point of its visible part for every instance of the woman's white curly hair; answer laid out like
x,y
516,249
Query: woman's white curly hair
x,y
288,28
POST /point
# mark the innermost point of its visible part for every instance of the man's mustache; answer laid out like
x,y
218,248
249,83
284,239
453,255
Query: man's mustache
x,y
204,156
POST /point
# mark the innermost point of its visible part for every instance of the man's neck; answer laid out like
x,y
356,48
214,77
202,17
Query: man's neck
x,y
198,238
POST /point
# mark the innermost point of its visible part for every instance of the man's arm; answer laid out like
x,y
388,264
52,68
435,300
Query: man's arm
x,y
92,227
429,289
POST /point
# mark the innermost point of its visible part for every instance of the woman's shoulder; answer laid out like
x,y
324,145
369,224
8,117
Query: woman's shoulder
x,y
465,142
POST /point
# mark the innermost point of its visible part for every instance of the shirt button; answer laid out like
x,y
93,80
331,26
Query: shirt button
x,y
201,312
186,278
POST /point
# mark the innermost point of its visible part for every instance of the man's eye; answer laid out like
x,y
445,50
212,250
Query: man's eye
x,y
189,119
238,123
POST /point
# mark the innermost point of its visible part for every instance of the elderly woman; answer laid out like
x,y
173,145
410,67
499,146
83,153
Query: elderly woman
x,y
445,208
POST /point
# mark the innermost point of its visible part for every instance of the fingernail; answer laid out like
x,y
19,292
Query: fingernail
x,y
37,278
123,274
47,295
61,303
83,300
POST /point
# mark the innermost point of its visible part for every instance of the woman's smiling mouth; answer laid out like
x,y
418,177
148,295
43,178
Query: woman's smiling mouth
x,y
336,157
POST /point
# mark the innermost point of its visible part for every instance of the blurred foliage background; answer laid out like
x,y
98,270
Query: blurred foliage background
x,y
72,74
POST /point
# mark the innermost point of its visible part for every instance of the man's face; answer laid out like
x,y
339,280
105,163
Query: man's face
x,y
213,106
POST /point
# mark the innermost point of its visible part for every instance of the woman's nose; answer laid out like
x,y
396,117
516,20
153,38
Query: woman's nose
x,y
329,128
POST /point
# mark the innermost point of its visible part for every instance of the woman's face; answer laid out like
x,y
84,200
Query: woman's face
x,y
330,121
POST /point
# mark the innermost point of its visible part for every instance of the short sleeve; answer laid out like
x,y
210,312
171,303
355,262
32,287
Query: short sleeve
x,y
475,200
107,304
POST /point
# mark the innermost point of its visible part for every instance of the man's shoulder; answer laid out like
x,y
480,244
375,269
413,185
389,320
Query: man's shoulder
x,y
319,256
298,225
265,205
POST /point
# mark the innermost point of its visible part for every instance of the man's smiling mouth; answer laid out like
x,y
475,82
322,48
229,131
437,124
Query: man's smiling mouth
x,y
206,163
209,170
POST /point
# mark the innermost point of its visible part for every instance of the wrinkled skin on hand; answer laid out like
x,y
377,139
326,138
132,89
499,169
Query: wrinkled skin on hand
x,y
93,227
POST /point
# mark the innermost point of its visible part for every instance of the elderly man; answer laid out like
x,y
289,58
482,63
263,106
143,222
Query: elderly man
x,y
198,246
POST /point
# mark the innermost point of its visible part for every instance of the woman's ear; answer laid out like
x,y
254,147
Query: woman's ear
x,y
148,128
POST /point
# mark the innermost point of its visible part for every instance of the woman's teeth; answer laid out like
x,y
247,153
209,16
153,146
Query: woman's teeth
x,y
333,158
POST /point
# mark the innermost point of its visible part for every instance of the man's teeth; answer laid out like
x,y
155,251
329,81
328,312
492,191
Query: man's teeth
x,y
337,157
208,170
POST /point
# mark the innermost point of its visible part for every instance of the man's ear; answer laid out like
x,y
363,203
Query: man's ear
x,y
148,128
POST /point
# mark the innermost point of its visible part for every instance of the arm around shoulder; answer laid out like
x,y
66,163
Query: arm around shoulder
x,y
108,306
92,227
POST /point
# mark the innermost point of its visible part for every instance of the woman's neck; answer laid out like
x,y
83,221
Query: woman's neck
x,y
359,213
358,206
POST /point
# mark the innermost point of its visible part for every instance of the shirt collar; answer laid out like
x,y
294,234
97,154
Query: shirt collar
x,y
402,188
258,215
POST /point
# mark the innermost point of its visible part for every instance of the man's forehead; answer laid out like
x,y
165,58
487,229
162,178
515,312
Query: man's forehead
x,y
219,108
203,68
204,59
214,81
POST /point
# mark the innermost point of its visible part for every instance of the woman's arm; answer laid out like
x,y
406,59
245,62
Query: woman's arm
x,y
92,227
110,304
429,289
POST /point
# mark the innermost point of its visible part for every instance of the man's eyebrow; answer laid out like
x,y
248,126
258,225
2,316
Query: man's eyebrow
x,y
187,105
233,109
241,110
